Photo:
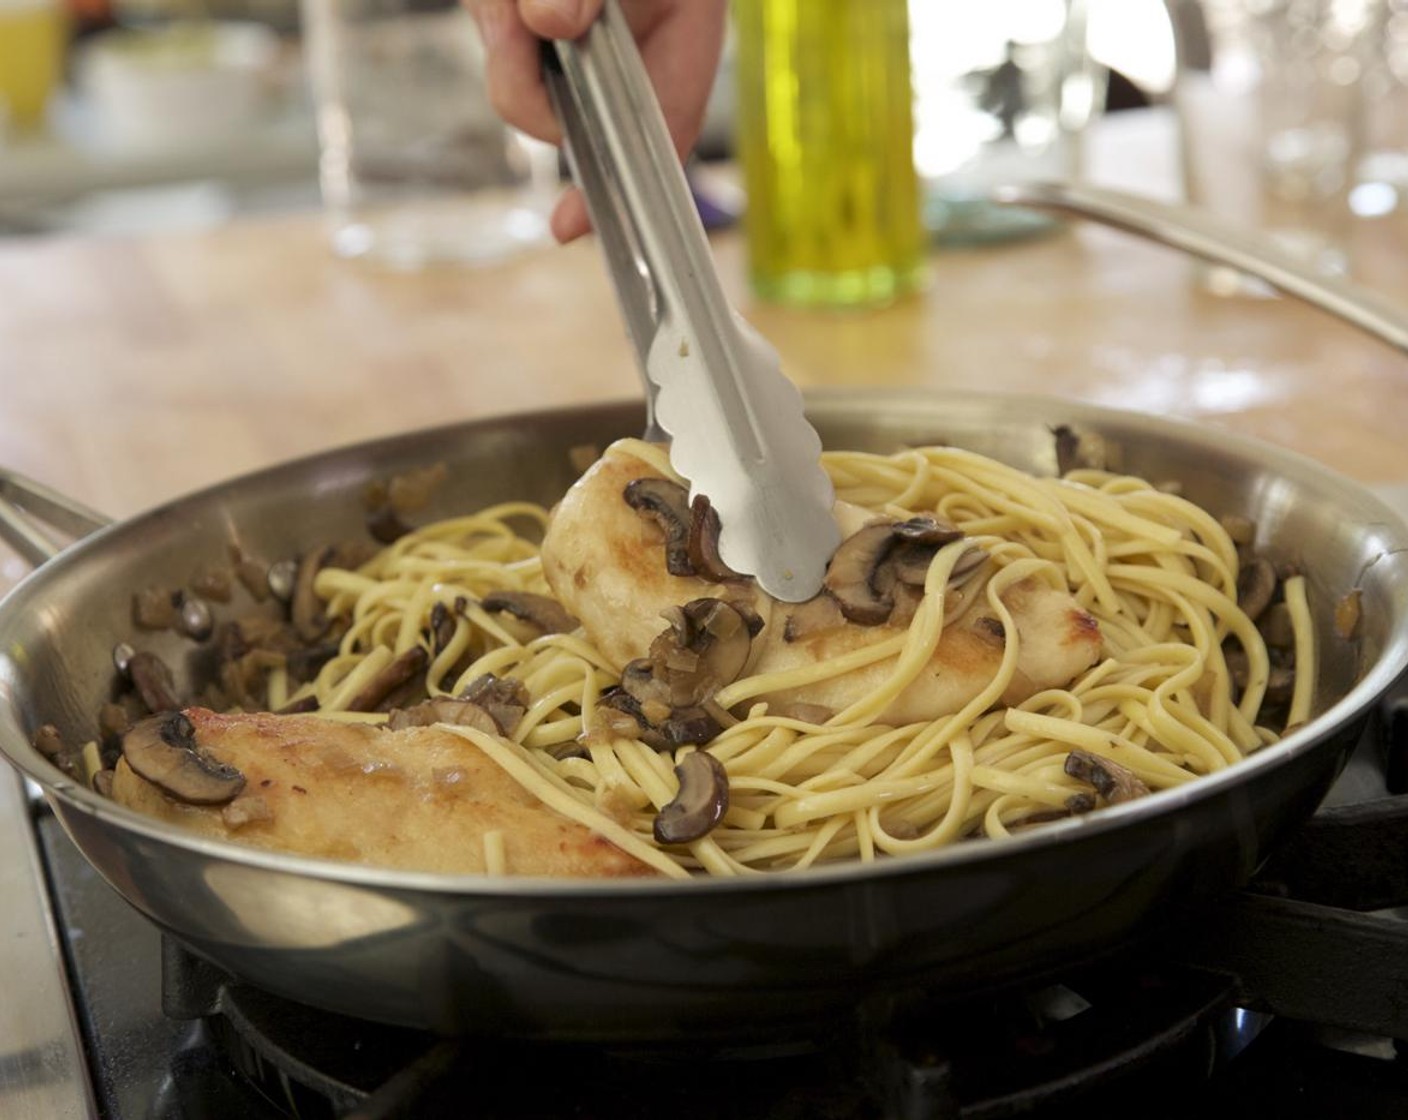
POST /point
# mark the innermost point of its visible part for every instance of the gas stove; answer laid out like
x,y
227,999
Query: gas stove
x,y
1285,998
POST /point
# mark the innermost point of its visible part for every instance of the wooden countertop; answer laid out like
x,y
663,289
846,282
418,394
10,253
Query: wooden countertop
x,y
132,370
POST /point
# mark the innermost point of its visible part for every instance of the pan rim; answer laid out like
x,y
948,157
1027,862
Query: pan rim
x,y
1380,677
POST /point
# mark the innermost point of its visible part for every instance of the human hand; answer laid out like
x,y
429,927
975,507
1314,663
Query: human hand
x,y
679,42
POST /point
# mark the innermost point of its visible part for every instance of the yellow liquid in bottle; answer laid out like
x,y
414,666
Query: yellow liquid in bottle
x,y
31,56
825,132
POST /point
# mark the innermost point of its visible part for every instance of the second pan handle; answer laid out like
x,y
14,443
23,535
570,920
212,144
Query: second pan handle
x,y
1199,234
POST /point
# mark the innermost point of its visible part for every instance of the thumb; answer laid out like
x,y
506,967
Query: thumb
x,y
558,19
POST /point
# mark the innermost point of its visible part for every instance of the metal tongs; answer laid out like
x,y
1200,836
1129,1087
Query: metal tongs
x,y
713,385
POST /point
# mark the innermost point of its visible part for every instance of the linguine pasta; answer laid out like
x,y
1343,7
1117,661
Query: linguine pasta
x,y
1157,572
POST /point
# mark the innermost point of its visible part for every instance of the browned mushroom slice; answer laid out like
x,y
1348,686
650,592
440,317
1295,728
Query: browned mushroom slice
x,y
1256,586
546,615
154,608
442,626
1113,782
702,544
1280,685
705,648
850,579
163,750
505,699
686,726
397,672
303,664
385,524
49,743
1277,628
667,504
443,709
1076,449
153,682
619,713
305,608
700,804
1241,530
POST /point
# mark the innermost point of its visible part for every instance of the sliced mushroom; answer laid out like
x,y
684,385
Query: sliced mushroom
x,y
686,726
667,504
1276,626
306,610
396,673
546,615
443,709
303,664
253,576
702,544
154,609
1241,530
442,626
651,693
1076,449
927,530
1113,782
705,648
153,681
163,750
49,743
700,804
872,563
1280,685
213,581
620,715
385,524
1256,586
505,699
850,579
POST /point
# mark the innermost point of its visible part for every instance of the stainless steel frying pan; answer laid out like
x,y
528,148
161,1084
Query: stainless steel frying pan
x,y
664,959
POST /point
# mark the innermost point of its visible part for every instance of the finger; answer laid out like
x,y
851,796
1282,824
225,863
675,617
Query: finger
x,y
558,19
681,53
569,219
513,70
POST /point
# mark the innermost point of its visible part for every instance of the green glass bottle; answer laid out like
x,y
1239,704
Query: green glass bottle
x,y
826,138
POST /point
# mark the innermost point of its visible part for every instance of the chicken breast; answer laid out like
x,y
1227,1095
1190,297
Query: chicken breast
x,y
421,799
606,562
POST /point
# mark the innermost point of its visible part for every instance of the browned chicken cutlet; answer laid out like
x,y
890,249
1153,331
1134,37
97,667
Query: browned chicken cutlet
x,y
606,564
420,798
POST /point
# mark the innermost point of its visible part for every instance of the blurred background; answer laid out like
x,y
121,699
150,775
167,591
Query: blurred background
x,y
135,116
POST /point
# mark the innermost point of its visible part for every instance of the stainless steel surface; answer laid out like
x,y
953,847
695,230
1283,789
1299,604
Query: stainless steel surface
x,y
712,383
26,505
42,1072
658,959
1207,237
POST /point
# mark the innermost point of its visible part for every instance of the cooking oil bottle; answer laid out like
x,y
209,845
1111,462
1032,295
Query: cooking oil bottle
x,y
826,132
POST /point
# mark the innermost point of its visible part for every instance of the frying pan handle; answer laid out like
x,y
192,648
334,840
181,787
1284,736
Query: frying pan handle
x,y
1182,227
26,507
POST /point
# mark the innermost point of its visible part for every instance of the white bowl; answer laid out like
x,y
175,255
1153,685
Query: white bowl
x,y
177,86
